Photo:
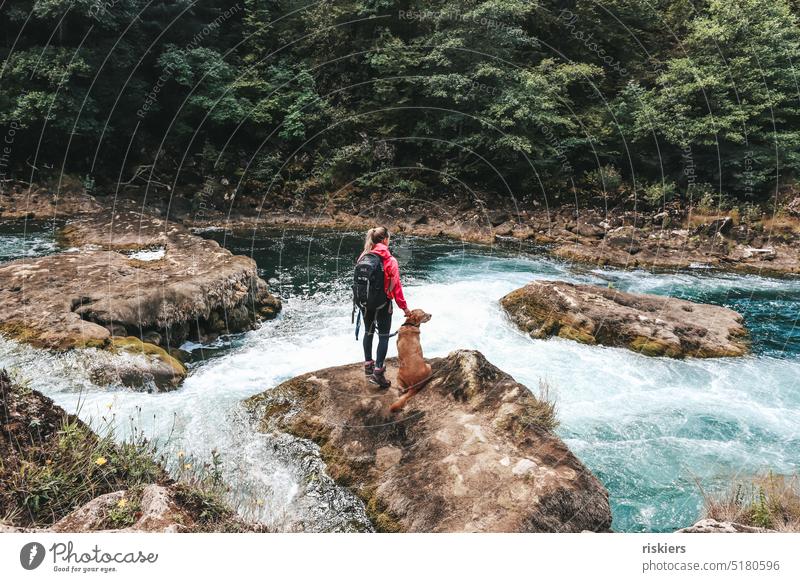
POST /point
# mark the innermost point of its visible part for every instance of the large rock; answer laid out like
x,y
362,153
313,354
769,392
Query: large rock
x,y
649,324
135,273
473,451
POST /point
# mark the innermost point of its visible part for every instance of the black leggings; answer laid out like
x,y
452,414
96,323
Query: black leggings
x,y
379,322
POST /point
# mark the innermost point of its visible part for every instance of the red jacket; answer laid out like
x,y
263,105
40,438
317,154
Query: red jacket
x,y
391,275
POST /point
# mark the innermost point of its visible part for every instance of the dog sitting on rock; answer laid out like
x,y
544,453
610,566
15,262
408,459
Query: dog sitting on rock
x,y
413,371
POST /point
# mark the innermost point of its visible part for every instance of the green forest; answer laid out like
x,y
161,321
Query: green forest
x,y
661,98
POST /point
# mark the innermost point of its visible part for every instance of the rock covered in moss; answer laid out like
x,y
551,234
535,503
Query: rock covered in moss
x,y
652,325
474,451
148,366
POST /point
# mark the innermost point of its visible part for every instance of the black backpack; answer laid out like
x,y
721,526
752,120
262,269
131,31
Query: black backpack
x,y
368,290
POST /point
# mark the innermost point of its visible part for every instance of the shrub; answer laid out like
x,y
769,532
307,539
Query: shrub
x,y
659,193
52,463
603,180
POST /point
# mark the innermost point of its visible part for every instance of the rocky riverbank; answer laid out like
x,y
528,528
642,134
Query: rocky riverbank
x,y
620,233
58,475
670,238
651,325
134,284
32,202
474,451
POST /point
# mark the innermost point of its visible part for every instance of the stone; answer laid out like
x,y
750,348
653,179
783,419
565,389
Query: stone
x,y
714,526
651,325
472,451
720,226
35,203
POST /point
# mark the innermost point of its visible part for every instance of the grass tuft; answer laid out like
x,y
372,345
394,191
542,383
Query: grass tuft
x,y
770,501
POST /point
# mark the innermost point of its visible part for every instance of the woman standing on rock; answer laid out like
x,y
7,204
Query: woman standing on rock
x,y
376,283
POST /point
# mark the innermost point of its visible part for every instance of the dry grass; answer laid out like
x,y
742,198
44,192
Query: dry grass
x,y
781,224
770,501
699,218
544,413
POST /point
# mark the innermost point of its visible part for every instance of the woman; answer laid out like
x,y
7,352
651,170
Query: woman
x,y
379,321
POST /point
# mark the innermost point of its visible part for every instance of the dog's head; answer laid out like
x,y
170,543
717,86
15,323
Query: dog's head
x,y
417,317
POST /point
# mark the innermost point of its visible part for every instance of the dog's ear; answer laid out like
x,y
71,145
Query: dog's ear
x,y
413,317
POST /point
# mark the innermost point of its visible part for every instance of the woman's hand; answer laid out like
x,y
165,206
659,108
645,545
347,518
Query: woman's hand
x,y
407,311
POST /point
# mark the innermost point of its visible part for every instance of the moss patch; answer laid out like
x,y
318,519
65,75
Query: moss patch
x,y
575,334
653,347
34,337
22,333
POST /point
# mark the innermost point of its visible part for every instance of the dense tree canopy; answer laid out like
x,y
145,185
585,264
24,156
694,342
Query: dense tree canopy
x,y
662,96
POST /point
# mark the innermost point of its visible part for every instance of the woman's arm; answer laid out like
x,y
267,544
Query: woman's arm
x,y
394,289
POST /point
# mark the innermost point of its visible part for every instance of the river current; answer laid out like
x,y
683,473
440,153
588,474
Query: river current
x,y
653,430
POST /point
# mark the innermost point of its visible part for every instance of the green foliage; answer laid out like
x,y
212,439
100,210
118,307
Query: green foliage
x,y
75,467
53,463
126,511
731,92
413,95
603,180
658,194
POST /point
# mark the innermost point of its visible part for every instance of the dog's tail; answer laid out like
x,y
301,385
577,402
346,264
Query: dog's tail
x,y
401,402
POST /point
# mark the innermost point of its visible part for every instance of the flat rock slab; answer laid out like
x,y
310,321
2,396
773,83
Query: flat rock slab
x,y
652,325
131,274
468,453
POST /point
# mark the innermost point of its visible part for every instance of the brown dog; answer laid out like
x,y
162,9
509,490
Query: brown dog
x,y
414,371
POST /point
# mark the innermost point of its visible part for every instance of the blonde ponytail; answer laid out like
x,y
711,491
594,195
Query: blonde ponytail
x,y
374,236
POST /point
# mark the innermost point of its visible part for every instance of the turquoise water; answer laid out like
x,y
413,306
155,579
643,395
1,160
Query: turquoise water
x,y
649,428
21,239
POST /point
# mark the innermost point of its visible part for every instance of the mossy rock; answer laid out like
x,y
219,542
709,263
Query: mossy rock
x,y
135,345
37,338
651,325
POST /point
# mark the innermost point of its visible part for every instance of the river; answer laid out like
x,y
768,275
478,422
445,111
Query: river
x,y
651,429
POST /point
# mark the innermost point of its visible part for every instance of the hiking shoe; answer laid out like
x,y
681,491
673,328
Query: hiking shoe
x,y
369,368
379,379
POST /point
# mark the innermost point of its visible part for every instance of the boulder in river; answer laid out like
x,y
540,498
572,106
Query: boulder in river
x,y
652,325
138,274
473,451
